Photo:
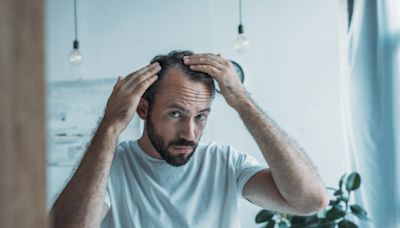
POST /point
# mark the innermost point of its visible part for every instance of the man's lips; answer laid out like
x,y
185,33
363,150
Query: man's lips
x,y
183,149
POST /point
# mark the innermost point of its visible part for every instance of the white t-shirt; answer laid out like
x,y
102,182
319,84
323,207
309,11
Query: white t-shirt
x,y
143,191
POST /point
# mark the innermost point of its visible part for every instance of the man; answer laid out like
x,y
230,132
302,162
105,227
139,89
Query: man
x,y
167,179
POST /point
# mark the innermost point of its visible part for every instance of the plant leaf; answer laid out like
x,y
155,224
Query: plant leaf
x,y
341,181
326,225
264,216
282,224
334,202
353,181
270,224
347,224
297,219
338,192
319,224
308,220
359,212
334,213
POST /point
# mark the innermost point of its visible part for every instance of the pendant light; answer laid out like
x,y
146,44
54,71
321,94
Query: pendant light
x,y
241,43
75,56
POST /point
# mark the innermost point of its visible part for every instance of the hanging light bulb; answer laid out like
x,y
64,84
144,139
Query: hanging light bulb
x,y
241,43
75,56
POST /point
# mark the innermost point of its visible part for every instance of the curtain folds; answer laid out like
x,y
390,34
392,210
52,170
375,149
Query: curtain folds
x,y
370,106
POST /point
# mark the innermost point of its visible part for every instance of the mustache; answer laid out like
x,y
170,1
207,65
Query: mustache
x,y
182,142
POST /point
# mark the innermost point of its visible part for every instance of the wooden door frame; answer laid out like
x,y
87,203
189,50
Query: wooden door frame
x,y
22,114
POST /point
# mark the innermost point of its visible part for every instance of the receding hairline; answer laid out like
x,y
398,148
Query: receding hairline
x,y
190,78
174,60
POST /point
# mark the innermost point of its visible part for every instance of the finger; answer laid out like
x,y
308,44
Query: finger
x,y
117,84
211,70
144,85
204,55
118,80
205,59
215,57
141,76
133,75
142,71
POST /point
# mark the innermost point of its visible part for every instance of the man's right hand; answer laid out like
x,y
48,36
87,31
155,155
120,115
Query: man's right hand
x,y
125,97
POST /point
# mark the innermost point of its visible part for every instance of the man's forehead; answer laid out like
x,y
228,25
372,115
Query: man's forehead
x,y
184,102
177,91
176,84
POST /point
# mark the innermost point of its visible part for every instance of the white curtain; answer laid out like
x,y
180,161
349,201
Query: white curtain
x,y
370,99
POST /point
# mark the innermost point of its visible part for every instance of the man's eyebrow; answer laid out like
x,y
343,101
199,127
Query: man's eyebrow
x,y
206,110
180,107
183,109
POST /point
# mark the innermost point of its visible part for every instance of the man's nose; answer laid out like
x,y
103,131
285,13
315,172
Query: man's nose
x,y
187,130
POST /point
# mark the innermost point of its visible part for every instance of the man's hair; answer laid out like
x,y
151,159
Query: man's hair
x,y
174,59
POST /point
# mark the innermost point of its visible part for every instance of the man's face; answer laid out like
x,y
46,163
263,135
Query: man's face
x,y
177,117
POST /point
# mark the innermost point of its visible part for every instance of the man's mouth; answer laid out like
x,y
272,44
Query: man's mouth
x,y
183,149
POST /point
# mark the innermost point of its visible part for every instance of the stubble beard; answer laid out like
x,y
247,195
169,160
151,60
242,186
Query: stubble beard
x,y
162,148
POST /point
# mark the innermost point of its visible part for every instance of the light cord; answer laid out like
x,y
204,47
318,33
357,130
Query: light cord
x,y
240,12
76,21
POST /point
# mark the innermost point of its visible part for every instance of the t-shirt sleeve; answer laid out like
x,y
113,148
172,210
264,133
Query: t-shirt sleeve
x,y
115,163
245,166
107,199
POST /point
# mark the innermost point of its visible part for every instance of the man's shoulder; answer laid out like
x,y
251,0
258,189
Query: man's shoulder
x,y
123,149
213,145
210,147
124,146
215,150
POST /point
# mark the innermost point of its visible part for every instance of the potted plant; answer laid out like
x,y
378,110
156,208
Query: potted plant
x,y
334,215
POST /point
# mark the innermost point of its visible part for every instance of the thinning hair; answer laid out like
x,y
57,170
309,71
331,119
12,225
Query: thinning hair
x,y
174,59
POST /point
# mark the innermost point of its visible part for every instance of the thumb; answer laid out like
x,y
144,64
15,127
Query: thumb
x,y
118,80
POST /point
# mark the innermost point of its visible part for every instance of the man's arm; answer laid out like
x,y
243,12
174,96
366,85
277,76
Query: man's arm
x,y
81,203
291,172
291,184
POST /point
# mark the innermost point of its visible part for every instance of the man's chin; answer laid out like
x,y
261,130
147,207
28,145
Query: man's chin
x,y
180,159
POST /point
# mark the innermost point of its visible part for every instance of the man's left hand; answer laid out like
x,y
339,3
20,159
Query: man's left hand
x,y
222,71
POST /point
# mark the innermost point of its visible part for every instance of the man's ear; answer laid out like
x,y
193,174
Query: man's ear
x,y
142,108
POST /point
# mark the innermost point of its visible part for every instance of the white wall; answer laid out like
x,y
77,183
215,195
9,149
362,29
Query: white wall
x,y
291,68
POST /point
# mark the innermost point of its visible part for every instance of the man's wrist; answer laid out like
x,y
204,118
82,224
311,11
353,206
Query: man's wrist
x,y
240,100
109,129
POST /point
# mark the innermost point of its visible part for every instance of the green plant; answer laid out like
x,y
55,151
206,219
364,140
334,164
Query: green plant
x,y
332,216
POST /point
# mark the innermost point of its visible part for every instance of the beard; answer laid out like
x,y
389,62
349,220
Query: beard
x,y
162,147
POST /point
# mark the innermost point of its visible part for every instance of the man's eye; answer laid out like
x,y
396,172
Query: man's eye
x,y
174,114
201,117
